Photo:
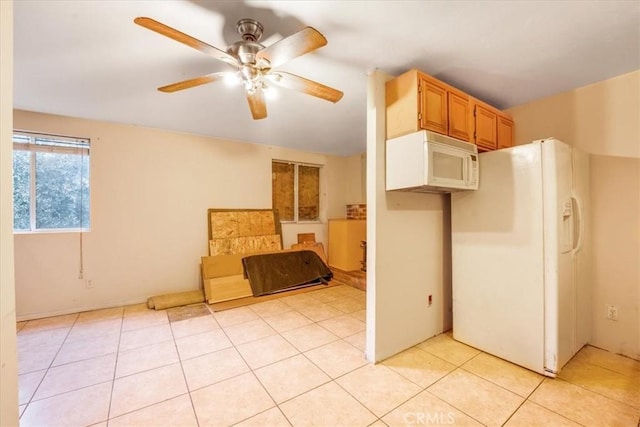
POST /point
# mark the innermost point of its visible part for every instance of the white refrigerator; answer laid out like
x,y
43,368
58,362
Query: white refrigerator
x,y
521,258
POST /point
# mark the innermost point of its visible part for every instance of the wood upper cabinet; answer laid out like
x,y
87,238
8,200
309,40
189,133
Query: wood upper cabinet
x,y
505,132
493,128
486,129
416,101
460,116
432,112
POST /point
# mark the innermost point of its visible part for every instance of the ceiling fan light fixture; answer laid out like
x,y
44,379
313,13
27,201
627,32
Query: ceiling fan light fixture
x,y
270,93
232,79
274,77
250,86
253,63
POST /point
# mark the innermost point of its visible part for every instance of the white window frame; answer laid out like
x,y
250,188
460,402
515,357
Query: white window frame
x,y
78,146
296,165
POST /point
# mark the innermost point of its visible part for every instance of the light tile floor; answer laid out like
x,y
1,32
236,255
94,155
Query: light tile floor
x,y
294,361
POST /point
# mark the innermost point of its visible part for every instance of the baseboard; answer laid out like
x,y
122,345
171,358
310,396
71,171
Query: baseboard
x,y
39,315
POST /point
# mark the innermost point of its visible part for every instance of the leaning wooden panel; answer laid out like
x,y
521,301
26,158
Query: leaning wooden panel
x,y
257,222
306,237
220,247
241,302
226,288
268,223
245,245
224,224
221,266
311,246
244,224
271,243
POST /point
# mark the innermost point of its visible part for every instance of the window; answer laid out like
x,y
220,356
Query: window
x,y
50,182
296,191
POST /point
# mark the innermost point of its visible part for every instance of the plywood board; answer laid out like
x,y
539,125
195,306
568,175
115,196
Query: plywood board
x,y
311,246
267,219
234,233
243,230
245,245
227,288
224,224
221,266
245,219
241,302
306,237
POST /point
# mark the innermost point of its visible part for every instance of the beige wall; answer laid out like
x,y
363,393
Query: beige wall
x,y
615,185
8,355
405,256
150,191
603,120
356,184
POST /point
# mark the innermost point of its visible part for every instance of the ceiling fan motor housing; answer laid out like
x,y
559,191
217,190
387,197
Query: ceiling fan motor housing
x,y
250,30
245,51
252,61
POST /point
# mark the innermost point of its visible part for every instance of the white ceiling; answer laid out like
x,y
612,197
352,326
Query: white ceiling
x,y
88,59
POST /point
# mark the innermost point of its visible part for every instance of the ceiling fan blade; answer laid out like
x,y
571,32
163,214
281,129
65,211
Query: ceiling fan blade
x,y
257,105
292,81
183,38
297,44
186,84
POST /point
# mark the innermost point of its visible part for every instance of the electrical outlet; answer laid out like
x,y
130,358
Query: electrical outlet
x,y
89,284
612,312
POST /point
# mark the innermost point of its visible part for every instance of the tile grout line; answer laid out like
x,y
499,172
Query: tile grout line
x,y
24,411
528,399
447,402
184,376
598,393
499,385
115,370
277,333
461,367
233,345
331,379
252,370
454,406
147,370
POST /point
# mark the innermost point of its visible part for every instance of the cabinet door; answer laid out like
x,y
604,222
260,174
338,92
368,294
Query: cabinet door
x,y
345,236
433,106
486,128
460,116
505,132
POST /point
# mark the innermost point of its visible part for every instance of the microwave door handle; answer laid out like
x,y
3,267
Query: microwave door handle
x,y
467,170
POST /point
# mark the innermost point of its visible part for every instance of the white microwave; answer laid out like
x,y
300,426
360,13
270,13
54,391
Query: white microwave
x,y
428,162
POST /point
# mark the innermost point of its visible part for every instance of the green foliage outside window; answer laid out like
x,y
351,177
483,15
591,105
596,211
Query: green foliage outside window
x,y
50,183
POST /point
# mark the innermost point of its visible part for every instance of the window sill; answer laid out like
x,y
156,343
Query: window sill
x,y
301,222
53,231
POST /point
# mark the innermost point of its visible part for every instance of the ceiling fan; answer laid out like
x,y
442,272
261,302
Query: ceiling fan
x,y
253,62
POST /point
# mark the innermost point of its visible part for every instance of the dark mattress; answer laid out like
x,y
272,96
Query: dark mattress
x,y
282,271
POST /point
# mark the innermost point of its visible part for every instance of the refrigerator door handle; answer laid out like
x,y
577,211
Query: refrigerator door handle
x,y
578,227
